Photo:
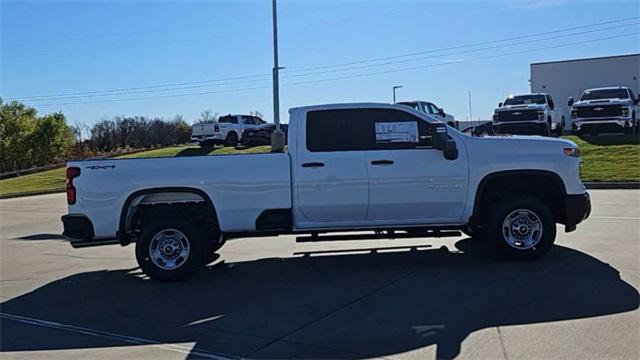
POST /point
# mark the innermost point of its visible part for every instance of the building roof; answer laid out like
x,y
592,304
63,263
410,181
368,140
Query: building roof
x,y
585,59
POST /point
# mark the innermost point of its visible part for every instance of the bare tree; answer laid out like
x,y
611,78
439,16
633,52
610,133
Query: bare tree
x,y
207,116
257,114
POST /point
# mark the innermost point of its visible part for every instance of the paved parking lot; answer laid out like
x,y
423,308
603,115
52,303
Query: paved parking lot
x,y
272,298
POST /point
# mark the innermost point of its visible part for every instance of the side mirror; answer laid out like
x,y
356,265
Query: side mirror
x,y
441,112
499,104
636,100
440,136
450,150
570,102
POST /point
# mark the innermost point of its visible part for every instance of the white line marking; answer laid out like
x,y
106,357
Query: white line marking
x,y
113,336
615,217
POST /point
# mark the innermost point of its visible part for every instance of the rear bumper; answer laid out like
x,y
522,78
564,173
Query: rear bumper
x,y
214,137
578,209
521,128
79,230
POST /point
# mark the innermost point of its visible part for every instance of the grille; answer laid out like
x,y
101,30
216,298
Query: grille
x,y
600,111
518,115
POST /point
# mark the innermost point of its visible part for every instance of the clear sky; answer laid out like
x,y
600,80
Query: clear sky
x,y
89,47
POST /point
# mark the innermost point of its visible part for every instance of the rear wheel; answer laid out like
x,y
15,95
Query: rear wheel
x,y
232,139
169,250
521,227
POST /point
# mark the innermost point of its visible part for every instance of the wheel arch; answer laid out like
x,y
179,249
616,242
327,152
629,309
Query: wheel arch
x,y
550,189
161,196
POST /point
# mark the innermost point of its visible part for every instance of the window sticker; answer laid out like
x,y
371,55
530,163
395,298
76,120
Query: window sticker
x,y
397,132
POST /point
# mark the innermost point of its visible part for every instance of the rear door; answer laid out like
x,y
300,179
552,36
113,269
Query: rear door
x,y
332,183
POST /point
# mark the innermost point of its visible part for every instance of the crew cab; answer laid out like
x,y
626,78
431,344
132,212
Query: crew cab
x,y
431,109
384,168
604,109
528,114
226,130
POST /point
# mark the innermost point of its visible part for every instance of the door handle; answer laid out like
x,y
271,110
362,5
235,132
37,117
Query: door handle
x,y
313,164
382,162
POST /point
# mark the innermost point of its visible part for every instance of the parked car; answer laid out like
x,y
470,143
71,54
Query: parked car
x,y
431,109
226,130
528,114
605,109
261,135
349,167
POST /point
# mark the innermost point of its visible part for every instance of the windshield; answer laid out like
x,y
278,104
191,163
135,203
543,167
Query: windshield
x,y
412,104
525,100
605,94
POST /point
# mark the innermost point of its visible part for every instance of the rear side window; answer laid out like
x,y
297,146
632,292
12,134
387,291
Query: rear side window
x,y
365,129
228,119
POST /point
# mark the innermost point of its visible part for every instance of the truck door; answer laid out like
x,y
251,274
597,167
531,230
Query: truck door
x,y
332,183
409,180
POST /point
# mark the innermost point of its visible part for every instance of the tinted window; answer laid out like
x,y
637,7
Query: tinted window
x,y
365,129
605,94
228,119
550,101
525,100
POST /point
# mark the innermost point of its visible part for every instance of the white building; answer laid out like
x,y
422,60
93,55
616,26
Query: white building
x,y
569,78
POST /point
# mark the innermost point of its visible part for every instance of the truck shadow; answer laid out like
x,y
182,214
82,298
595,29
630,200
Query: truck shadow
x,y
365,305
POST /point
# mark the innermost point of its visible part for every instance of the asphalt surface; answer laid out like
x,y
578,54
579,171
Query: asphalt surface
x,y
272,298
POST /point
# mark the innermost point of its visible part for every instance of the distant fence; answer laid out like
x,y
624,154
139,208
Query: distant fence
x,y
16,173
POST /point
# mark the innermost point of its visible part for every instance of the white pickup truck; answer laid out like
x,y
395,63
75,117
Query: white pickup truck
x,y
383,168
226,130
603,110
528,114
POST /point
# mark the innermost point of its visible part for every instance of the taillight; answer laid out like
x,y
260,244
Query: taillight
x,y
72,172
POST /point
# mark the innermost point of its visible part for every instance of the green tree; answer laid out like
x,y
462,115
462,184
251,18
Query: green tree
x,y
51,140
17,122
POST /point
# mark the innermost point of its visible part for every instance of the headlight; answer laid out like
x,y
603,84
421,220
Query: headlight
x,y
496,117
625,111
574,113
540,115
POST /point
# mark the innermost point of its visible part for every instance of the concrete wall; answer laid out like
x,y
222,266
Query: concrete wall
x,y
563,79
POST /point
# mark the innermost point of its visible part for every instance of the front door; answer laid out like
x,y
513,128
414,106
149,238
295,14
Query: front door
x,y
409,180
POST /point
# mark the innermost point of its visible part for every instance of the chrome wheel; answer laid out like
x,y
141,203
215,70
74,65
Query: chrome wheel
x,y
169,249
522,229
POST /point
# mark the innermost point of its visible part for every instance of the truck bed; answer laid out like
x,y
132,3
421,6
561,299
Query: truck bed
x,y
240,186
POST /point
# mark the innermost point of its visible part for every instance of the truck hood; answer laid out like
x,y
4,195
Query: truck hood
x,y
602,102
510,144
540,107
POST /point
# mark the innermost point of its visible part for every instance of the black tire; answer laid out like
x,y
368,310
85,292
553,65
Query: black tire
x,y
548,129
179,229
560,129
497,236
232,139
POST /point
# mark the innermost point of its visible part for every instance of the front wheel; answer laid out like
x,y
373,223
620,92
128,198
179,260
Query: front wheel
x,y
560,129
169,250
521,227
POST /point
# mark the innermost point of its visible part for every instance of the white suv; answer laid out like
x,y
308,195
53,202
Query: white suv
x,y
226,130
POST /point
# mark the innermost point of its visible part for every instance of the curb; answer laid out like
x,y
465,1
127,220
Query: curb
x,y
31,193
617,185
613,185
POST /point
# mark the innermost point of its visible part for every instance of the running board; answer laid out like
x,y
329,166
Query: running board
x,y
375,236
80,243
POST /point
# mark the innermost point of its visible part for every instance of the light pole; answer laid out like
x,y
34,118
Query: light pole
x,y
394,92
277,137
